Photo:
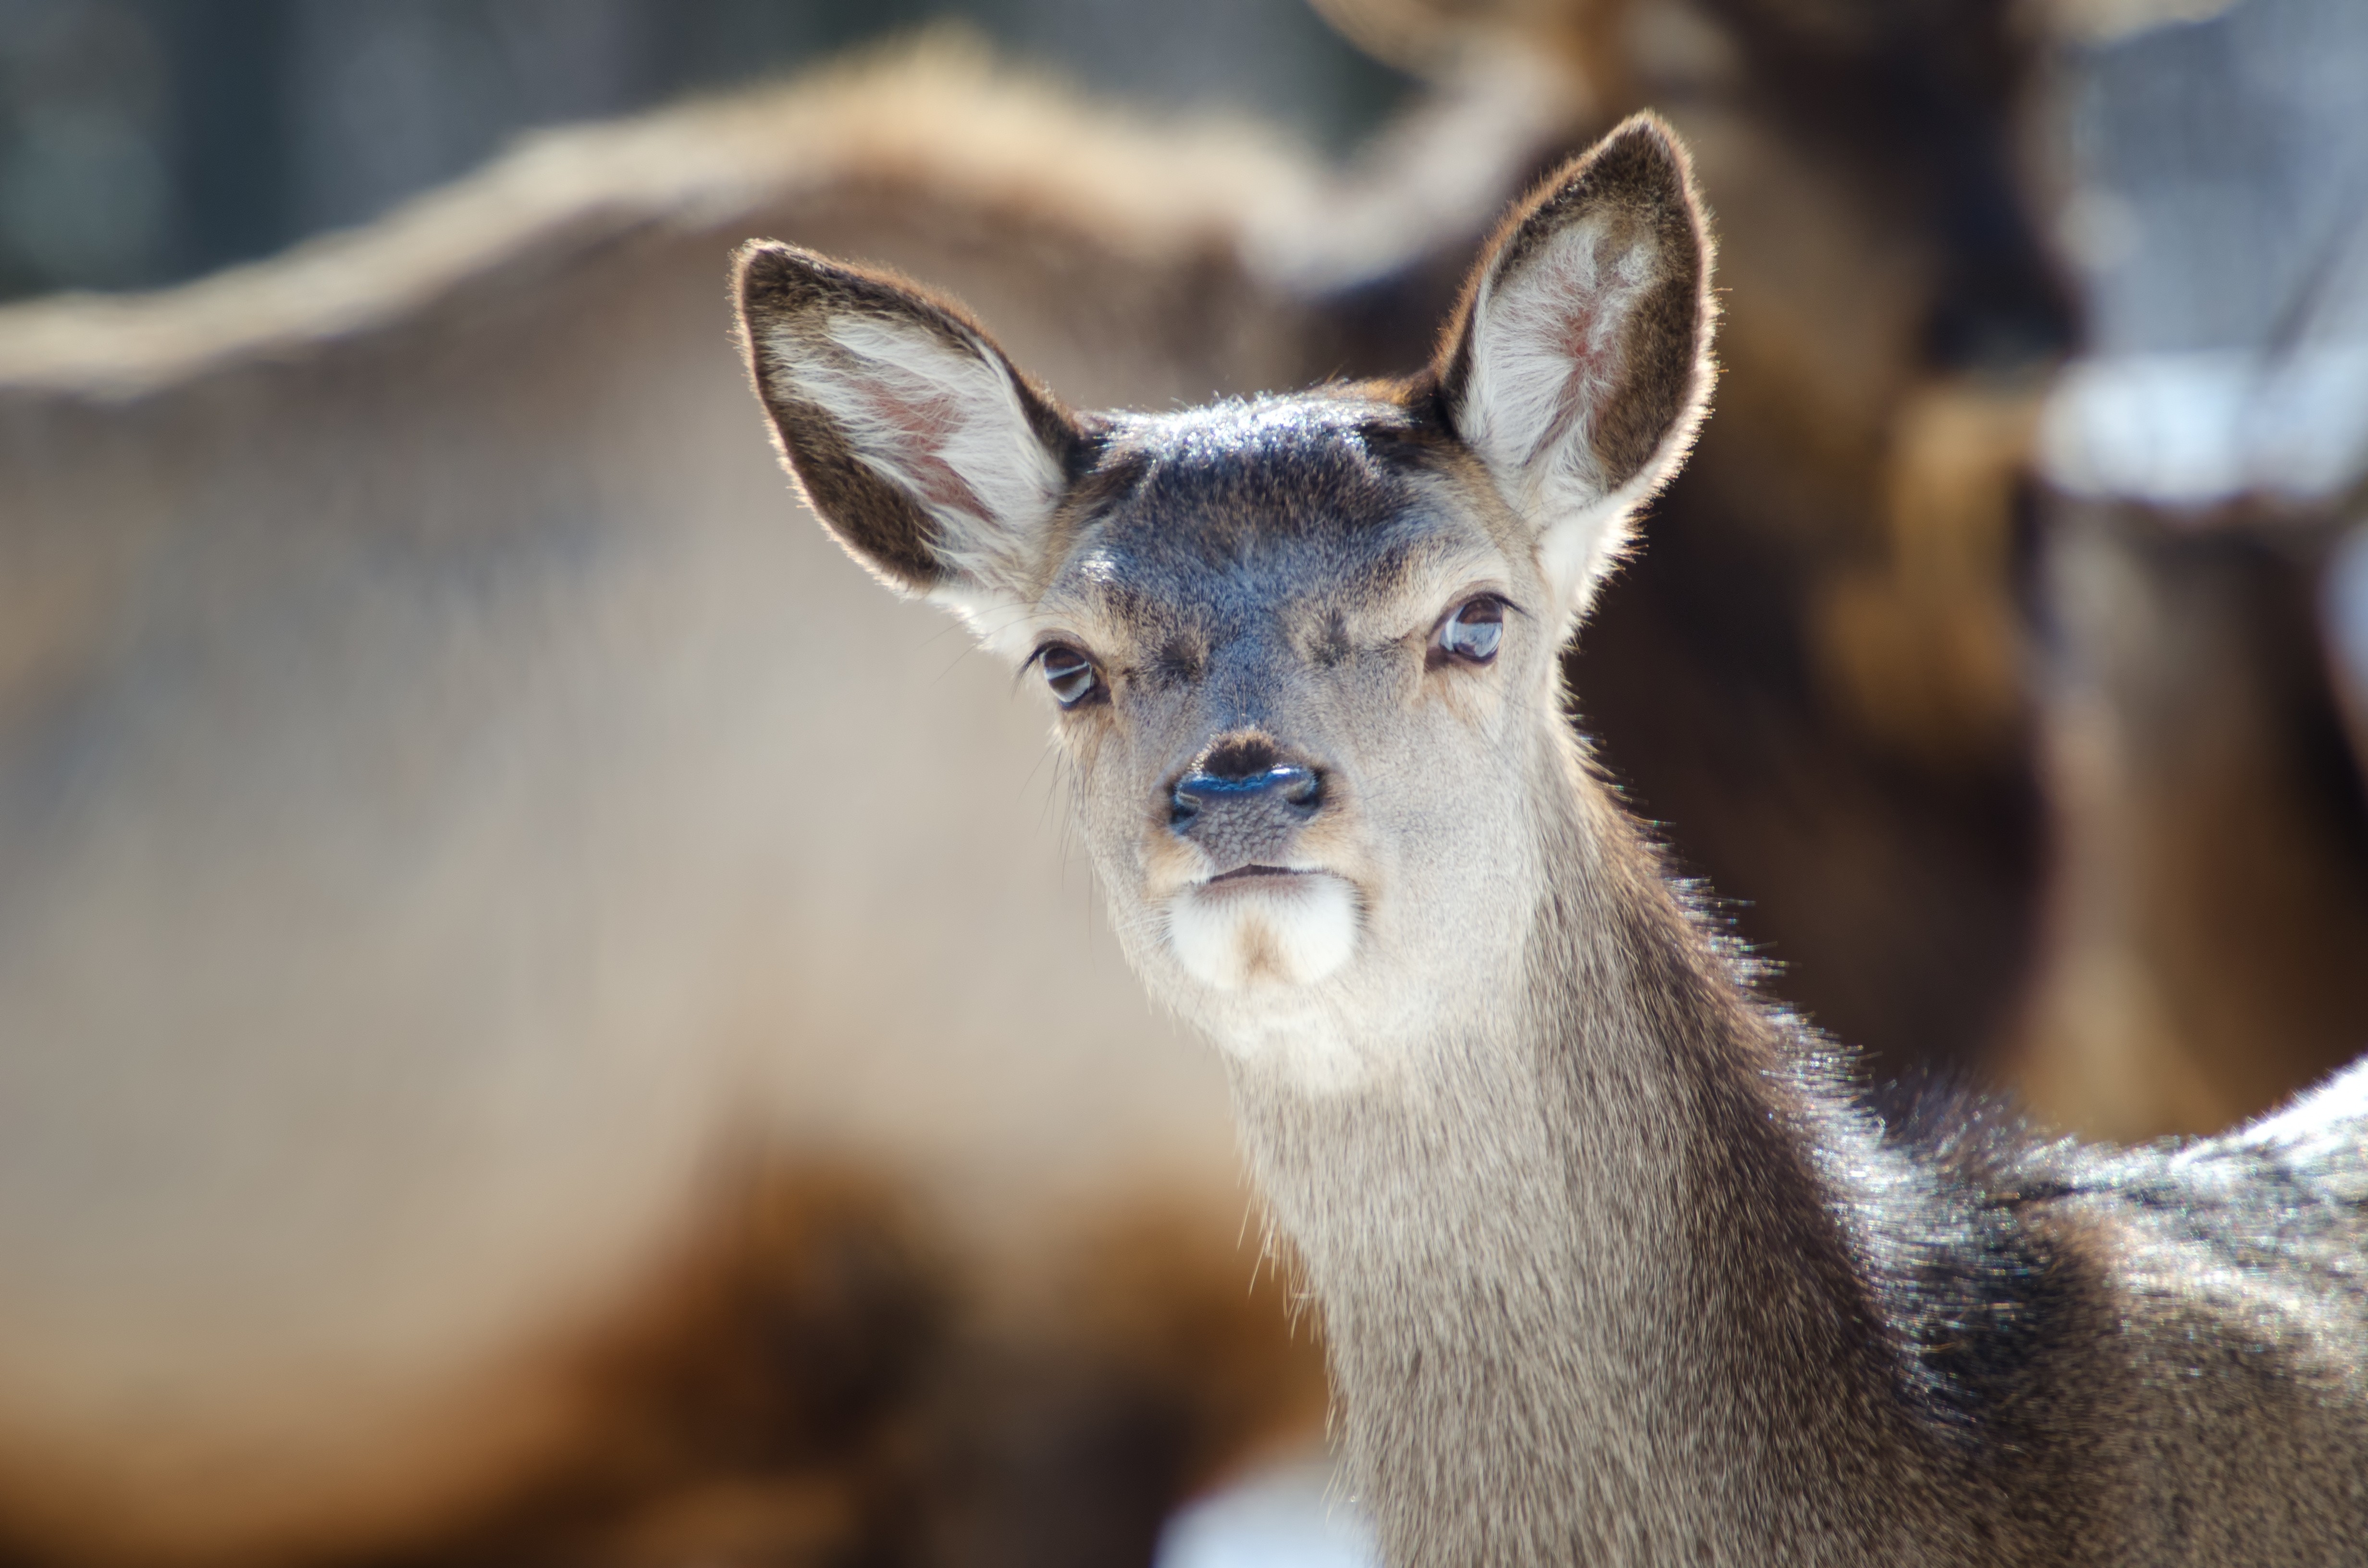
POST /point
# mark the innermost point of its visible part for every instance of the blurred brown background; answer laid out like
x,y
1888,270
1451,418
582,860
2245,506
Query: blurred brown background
x,y
544,1021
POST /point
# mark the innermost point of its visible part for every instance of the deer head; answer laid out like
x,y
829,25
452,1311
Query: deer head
x,y
1303,649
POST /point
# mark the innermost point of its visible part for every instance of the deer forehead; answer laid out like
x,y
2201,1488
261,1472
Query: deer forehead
x,y
1315,524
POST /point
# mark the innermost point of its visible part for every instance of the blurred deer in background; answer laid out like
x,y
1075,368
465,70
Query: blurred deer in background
x,y
2206,457
1613,1268
2204,942
1814,679
2049,794
448,833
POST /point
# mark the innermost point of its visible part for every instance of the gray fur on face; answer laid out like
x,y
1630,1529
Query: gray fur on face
x,y
1615,1268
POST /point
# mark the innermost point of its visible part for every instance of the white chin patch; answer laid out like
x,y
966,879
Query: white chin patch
x,y
1273,931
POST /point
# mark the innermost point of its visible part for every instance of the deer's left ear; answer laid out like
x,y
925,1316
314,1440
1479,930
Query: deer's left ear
x,y
1578,364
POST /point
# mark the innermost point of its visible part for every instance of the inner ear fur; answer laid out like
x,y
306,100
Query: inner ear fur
x,y
1578,362
951,495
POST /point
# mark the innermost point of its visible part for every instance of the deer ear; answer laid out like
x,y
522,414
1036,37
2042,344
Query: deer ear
x,y
1578,364
924,452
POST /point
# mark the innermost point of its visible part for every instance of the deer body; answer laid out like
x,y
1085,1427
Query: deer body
x,y
1613,1269
1627,1278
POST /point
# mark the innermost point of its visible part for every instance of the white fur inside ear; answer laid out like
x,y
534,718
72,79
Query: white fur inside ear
x,y
1285,933
1546,359
944,422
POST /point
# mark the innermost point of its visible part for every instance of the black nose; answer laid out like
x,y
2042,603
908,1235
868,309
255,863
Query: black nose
x,y
1242,779
1288,783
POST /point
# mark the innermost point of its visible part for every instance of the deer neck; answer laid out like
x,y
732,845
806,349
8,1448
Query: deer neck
x,y
1585,1291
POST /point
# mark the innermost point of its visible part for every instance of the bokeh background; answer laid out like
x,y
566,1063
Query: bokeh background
x,y
543,1020
147,142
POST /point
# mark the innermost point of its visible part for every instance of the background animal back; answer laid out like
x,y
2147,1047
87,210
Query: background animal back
x,y
440,816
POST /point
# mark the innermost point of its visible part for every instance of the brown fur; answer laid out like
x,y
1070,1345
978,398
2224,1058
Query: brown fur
x,y
2211,900
825,1381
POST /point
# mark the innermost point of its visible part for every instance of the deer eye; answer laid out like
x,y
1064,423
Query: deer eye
x,y
1070,674
1470,632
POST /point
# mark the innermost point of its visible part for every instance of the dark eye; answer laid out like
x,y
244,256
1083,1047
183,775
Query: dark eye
x,y
1070,674
1470,631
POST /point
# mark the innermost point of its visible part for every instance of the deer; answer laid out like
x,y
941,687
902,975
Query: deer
x,y
1615,1262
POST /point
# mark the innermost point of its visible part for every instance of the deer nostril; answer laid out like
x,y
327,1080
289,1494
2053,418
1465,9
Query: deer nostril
x,y
1301,788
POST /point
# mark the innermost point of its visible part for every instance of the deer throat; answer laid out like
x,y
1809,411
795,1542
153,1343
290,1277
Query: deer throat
x,y
1545,1247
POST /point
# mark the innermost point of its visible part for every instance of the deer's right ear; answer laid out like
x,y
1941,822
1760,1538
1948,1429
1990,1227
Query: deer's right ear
x,y
924,452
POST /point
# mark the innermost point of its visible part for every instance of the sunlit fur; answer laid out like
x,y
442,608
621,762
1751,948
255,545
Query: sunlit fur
x,y
1613,1268
1295,934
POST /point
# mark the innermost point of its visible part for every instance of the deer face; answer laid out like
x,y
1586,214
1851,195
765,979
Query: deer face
x,y
1302,649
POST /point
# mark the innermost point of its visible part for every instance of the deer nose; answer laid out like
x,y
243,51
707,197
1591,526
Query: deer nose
x,y
1245,797
1287,784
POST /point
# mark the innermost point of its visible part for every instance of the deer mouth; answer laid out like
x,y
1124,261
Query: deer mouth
x,y
1263,926
1256,873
